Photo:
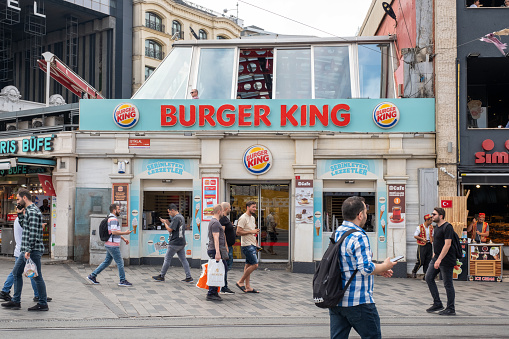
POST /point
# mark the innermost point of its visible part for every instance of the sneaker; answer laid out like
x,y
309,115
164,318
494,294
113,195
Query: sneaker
x,y
12,305
435,308
447,311
188,280
125,283
48,299
158,277
5,296
39,307
92,279
213,297
414,275
226,290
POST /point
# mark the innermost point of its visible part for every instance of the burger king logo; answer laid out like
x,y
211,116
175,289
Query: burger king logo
x,y
257,159
126,115
386,115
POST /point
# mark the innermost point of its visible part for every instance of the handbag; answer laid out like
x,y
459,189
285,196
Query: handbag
x,y
224,253
215,273
30,270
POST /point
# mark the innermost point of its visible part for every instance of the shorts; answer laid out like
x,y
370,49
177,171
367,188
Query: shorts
x,y
250,254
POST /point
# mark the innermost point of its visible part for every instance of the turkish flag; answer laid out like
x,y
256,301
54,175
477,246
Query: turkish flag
x,y
446,204
47,185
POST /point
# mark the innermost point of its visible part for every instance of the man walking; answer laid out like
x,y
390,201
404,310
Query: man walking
x,y
229,232
216,247
443,261
113,248
176,244
424,236
246,228
32,247
357,308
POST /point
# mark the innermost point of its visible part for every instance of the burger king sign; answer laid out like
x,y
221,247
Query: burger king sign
x,y
386,115
257,159
126,115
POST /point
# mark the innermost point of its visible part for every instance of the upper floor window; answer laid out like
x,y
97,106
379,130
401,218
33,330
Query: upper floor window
x,y
148,71
219,37
154,22
153,50
176,27
202,34
487,3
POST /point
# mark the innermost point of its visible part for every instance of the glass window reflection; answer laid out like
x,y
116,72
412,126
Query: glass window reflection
x,y
293,74
370,70
170,80
332,72
215,73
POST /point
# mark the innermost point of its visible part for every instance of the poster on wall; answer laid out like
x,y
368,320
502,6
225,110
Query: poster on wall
x,y
396,206
210,190
304,210
120,197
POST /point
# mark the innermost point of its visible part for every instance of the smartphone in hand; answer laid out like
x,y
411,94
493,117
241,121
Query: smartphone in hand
x,y
398,258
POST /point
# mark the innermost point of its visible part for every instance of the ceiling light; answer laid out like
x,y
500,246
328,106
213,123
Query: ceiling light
x,y
478,186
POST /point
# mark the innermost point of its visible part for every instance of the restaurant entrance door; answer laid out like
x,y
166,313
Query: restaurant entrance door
x,y
272,217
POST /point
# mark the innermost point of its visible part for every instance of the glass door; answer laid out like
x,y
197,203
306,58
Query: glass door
x,y
272,217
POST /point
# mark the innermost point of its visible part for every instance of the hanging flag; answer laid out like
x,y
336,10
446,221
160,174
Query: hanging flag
x,y
47,185
491,38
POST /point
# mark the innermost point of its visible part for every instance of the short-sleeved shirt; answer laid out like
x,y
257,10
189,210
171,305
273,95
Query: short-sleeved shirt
x,y
247,223
113,225
479,228
229,230
215,227
418,231
178,225
446,231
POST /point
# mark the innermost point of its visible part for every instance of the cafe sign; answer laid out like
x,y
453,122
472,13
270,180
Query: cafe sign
x,y
27,145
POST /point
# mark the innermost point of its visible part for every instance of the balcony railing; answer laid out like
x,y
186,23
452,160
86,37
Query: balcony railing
x,y
152,53
154,25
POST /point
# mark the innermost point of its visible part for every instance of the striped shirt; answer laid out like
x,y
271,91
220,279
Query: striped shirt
x,y
31,222
355,253
113,225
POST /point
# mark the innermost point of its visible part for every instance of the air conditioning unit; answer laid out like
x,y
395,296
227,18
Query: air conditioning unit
x,y
54,121
37,123
24,125
11,126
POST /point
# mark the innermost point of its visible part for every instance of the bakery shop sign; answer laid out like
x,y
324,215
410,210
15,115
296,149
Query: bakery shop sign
x,y
492,158
257,159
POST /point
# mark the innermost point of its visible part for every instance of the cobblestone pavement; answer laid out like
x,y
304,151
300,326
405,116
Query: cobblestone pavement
x,y
283,294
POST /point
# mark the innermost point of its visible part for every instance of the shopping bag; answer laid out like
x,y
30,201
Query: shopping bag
x,y
215,273
202,282
30,270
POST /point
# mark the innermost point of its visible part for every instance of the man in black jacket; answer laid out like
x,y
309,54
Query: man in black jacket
x,y
229,232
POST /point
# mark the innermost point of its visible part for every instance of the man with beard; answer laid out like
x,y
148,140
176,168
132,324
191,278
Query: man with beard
x,y
357,308
32,247
113,248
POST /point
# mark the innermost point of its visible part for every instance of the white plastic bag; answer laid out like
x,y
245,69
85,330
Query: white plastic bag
x,y
30,270
215,273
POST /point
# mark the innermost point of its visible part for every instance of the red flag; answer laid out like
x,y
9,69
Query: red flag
x,y
446,203
47,185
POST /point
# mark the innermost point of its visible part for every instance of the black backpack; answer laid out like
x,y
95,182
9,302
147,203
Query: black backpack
x,y
103,229
327,281
456,245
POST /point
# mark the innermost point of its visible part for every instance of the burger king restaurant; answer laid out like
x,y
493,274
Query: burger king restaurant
x,y
297,158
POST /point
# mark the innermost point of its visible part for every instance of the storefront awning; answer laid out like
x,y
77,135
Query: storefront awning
x,y
7,163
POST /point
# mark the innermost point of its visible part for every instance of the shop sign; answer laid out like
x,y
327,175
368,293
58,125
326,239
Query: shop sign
x,y
304,206
396,204
121,197
28,145
257,159
12,216
139,143
22,169
126,115
165,167
210,191
349,167
386,115
492,158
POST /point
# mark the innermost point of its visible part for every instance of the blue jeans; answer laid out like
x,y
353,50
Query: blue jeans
x,y
212,255
112,253
181,253
363,318
10,281
17,272
229,264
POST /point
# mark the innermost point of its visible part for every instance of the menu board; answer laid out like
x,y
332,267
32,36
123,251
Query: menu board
x,y
304,203
485,262
120,197
210,197
396,204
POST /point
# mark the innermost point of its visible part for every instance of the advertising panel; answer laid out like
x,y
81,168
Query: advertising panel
x,y
210,191
120,196
396,206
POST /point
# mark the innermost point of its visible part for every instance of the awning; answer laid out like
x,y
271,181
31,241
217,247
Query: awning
x,y
70,80
39,162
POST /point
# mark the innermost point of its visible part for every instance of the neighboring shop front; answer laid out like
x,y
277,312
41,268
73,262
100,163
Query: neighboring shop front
x,y
297,159
32,162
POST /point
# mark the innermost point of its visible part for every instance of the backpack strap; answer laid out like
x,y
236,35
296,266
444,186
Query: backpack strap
x,y
343,237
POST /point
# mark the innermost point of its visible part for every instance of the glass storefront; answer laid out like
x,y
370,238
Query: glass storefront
x,y
272,217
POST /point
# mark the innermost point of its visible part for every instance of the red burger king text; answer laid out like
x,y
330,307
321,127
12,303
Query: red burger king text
x,y
126,113
258,157
253,115
386,113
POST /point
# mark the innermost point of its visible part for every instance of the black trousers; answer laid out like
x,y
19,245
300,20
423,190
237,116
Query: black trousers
x,y
424,255
446,273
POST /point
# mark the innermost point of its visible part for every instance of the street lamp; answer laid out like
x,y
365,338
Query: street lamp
x,y
237,9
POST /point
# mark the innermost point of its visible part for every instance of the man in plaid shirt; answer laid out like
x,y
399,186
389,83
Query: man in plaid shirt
x,y
31,248
357,308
